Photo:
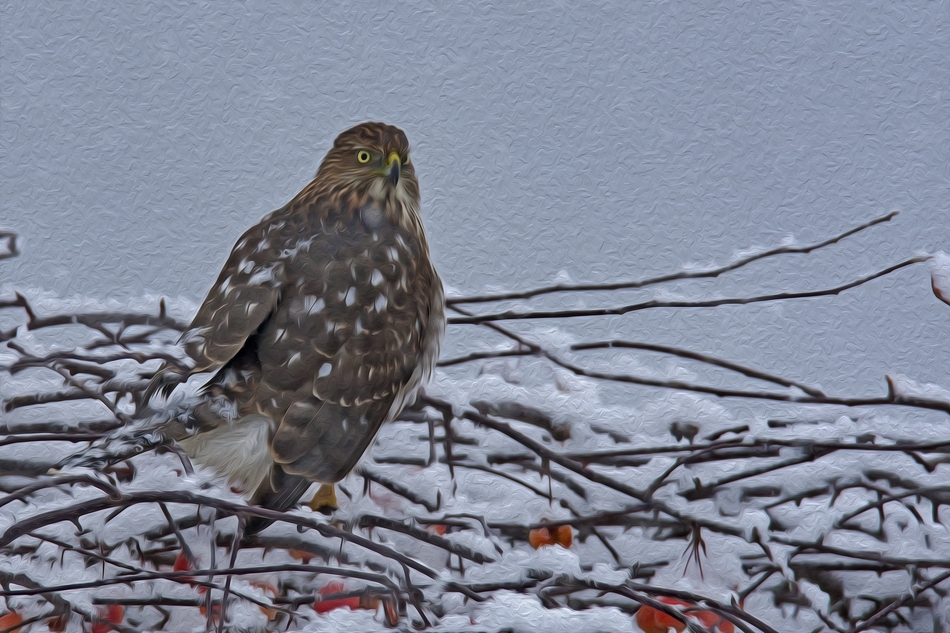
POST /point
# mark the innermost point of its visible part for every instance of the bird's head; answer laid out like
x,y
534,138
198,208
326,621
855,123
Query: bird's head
x,y
372,159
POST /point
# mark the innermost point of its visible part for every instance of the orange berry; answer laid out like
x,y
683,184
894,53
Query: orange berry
x,y
9,622
389,609
563,535
712,621
301,555
324,606
653,621
108,615
539,537
182,563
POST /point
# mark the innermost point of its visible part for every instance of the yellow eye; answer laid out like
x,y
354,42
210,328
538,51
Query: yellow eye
x,y
363,156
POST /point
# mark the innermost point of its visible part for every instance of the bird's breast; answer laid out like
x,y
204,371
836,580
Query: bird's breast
x,y
351,323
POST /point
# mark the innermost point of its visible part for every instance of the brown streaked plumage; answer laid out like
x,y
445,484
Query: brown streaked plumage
x,y
323,323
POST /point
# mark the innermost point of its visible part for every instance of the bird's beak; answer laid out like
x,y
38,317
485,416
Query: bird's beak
x,y
393,167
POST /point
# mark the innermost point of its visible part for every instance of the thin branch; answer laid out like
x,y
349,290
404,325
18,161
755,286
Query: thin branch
x,y
593,476
513,353
235,547
942,446
30,400
57,482
85,552
677,276
60,605
704,491
30,362
180,577
397,488
625,517
368,521
503,475
94,321
896,604
895,562
50,437
190,577
182,542
703,358
512,315
892,398
70,513
644,595
87,426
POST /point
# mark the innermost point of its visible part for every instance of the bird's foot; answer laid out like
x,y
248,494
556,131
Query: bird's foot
x,y
324,501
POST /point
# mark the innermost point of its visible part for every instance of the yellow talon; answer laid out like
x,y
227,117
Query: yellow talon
x,y
324,500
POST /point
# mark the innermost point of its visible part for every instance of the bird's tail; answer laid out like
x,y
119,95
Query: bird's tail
x,y
281,491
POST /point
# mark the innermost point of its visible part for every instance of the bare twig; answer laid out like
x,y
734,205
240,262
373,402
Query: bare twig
x,y
75,511
511,315
677,276
703,358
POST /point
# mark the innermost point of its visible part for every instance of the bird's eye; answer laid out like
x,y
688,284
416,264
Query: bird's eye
x,y
363,156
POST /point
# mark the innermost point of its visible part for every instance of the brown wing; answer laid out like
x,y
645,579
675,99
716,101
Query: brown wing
x,y
245,293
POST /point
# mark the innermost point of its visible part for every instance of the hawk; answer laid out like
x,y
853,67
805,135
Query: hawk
x,y
324,322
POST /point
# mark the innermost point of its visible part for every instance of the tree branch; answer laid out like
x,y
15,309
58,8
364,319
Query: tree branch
x,y
512,315
677,276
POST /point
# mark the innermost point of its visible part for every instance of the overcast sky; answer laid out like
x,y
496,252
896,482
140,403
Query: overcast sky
x,y
600,141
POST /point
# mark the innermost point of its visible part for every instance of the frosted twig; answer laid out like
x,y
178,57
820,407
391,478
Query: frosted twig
x,y
512,315
677,276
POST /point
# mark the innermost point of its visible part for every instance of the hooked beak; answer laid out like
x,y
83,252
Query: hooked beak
x,y
393,168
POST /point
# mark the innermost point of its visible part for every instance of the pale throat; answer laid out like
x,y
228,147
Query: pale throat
x,y
401,207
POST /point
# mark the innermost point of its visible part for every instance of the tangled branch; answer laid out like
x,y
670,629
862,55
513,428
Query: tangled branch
x,y
463,502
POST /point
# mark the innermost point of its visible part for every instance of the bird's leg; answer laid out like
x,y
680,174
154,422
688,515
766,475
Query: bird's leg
x,y
324,500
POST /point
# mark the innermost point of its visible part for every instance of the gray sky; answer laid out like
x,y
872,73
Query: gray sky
x,y
609,140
